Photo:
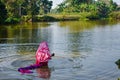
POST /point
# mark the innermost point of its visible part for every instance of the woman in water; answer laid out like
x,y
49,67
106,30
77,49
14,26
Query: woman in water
x,y
42,57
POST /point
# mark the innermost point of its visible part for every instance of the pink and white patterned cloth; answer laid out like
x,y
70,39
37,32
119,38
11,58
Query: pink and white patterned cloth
x,y
42,57
43,53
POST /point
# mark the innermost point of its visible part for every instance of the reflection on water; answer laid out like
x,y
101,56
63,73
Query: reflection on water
x,y
44,72
85,50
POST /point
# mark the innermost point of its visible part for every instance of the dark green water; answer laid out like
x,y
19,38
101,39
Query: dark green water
x,y
85,50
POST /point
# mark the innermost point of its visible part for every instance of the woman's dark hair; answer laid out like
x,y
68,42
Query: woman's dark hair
x,y
53,54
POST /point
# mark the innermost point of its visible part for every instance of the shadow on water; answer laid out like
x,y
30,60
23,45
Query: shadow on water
x,y
81,48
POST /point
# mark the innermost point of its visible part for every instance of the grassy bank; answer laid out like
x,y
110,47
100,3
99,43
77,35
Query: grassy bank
x,y
115,15
60,17
51,18
65,17
69,17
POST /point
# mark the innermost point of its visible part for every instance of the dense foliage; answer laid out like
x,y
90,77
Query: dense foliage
x,y
96,9
3,13
18,8
13,11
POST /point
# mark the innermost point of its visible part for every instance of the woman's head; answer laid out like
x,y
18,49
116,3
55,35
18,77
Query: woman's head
x,y
53,54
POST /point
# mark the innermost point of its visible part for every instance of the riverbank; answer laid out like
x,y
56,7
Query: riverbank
x,y
62,17
51,18
115,15
69,17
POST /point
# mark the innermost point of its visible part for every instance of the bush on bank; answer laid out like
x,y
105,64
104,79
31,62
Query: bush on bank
x,y
70,17
50,18
12,20
43,18
61,17
115,15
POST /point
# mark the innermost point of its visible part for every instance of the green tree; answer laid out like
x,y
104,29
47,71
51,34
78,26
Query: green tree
x,y
24,7
13,7
29,7
84,7
61,7
102,9
3,13
75,5
19,4
9,7
45,6
34,7
113,5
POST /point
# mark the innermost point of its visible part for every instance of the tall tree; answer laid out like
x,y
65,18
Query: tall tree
x,y
34,7
74,5
25,7
103,9
45,6
8,4
16,8
113,5
13,7
61,7
3,13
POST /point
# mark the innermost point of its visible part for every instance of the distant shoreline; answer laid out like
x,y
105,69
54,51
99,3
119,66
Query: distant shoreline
x,y
63,17
68,17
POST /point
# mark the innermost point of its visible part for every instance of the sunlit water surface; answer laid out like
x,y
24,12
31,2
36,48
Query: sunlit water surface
x,y
85,50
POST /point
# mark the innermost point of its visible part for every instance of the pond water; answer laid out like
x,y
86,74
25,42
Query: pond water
x,y
85,50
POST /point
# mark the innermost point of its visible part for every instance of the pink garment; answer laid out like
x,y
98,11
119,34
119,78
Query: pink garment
x,y
23,71
43,53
